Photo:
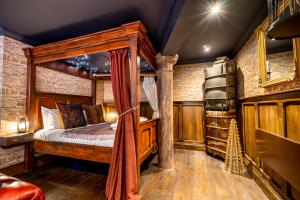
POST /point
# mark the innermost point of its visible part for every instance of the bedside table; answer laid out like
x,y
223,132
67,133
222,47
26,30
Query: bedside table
x,y
11,145
15,139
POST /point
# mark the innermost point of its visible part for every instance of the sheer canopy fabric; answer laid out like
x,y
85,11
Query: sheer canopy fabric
x,y
122,181
150,89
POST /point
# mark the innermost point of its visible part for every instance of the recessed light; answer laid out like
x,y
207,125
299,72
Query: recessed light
x,y
215,8
206,48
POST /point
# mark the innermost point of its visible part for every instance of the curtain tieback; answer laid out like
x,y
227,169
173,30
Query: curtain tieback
x,y
130,110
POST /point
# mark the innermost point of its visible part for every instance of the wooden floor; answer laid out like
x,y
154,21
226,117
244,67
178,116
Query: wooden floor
x,y
195,176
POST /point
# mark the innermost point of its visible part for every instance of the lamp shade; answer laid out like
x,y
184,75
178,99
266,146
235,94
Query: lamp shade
x,y
22,125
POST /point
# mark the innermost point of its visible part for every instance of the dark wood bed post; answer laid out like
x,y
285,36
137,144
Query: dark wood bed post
x,y
135,92
94,91
30,90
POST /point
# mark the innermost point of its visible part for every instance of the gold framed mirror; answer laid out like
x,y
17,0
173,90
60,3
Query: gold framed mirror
x,y
278,59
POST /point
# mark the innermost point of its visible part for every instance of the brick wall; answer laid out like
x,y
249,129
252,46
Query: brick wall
x,y
13,98
99,91
13,77
12,94
56,82
105,94
247,61
1,72
188,81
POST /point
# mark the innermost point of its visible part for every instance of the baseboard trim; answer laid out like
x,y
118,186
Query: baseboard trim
x,y
262,181
197,146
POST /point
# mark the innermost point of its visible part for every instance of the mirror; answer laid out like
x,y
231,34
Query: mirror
x,y
277,58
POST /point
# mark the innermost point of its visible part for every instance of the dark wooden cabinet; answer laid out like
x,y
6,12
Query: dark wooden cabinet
x,y
189,125
217,127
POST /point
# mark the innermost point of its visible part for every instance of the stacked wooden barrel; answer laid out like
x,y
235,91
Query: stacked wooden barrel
x,y
220,103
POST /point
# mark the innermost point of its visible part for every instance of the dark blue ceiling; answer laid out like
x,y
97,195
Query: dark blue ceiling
x,y
175,26
225,32
45,21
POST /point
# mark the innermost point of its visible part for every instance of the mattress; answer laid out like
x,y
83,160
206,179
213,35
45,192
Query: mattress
x,y
98,135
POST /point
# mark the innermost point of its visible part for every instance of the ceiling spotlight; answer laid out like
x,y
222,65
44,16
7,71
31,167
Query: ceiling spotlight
x,y
215,8
206,48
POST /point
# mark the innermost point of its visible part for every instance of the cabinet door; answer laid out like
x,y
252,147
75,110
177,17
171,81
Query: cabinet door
x,y
192,123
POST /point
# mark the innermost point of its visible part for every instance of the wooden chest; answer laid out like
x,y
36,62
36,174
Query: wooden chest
x,y
227,92
219,81
217,127
219,85
219,68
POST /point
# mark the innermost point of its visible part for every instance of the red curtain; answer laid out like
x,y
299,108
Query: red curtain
x,y
122,182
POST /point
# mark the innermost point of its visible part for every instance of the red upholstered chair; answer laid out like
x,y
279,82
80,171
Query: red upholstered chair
x,y
15,189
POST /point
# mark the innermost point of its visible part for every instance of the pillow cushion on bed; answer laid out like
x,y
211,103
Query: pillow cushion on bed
x,y
94,114
71,115
50,118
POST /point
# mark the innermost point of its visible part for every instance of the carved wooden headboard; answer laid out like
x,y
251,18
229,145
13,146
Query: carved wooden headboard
x,y
48,100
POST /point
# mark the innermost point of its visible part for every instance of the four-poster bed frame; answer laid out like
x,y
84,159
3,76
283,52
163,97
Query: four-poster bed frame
x,y
132,36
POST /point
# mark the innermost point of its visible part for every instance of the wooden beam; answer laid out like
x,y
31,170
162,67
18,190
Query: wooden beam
x,y
165,100
108,40
94,91
142,74
30,90
65,68
69,53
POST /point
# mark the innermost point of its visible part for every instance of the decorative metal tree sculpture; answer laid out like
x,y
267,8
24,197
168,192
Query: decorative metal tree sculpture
x,y
234,157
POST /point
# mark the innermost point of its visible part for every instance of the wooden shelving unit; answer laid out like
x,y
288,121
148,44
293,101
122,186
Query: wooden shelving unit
x,y
220,97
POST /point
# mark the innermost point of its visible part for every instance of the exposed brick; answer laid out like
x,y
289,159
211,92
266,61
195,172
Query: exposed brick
x,y
56,82
13,76
188,81
100,92
107,94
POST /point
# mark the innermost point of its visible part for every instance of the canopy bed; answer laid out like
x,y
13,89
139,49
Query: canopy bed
x,y
126,44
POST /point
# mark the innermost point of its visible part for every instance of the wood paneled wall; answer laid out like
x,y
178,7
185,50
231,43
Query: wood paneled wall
x,y
189,125
278,114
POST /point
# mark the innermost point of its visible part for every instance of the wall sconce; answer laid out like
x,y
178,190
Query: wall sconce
x,y
22,125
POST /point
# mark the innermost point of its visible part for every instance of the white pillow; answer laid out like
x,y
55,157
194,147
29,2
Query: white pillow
x,y
50,118
143,119
85,117
114,125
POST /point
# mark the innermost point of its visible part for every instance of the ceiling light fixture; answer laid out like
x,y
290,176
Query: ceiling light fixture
x,y
215,8
206,48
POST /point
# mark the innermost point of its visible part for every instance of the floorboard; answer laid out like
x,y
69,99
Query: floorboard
x,y
195,176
